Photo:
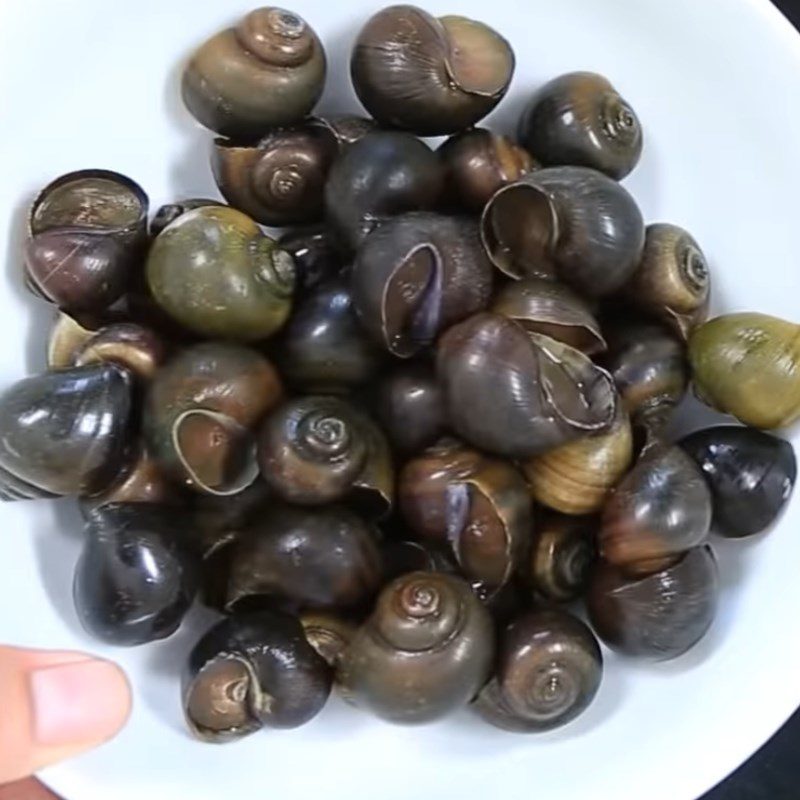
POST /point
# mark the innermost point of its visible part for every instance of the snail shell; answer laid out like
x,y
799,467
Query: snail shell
x,y
549,669
328,634
425,651
580,119
266,72
169,212
427,75
314,253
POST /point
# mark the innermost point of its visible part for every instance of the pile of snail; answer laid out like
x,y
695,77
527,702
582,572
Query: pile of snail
x,y
397,447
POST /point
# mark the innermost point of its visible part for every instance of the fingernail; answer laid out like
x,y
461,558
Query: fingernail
x,y
78,703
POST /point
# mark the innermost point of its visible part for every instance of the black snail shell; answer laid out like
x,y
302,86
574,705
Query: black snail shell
x,y
134,580
417,274
266,72
384,174
425,651
251,671
315,255
572,223
517,393
547,672
304,558
751,476
427,75
580,119
323,348
87,232
659,616
64,432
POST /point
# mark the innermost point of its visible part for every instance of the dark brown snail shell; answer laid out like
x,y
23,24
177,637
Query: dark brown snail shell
x,y
547,673
251,671
134,580
649,366
266,72
280,180
411,407
401,556
478,162
580,119
126,344
425,651
479,507
750,474
548,307
660,509
169,212
660,616
562,554
242,282
87,232
517,393
427,75
672,283
316,449
571,223
417,274
200,413
384,174
315,255
304,558
65,432
323,348
328,633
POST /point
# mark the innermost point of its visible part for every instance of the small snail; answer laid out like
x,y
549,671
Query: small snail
x,y
242,282
548,671
266,72
427,75
517,393
748,365
660,616
478,162
251,671
426,650
580,119
87,231
417,274
751,476
572,223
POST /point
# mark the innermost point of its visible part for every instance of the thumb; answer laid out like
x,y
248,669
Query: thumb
x,y
56,705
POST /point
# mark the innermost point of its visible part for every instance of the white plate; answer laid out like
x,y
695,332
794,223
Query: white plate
x,y
716,83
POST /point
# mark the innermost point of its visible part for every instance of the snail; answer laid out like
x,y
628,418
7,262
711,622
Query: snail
x,y
650,369
200,413
251,671
660,509
517,393
551,308
431,76
548,671
384,174
266,72
417,274
65,432
242,283
748,365
660,616
672,281
425,651
562,554
328,634
571,223
411,406
316,449
314,253
580,119
578,477
750,474
478,162
86,234
134,580
305,558
323,349
476,506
